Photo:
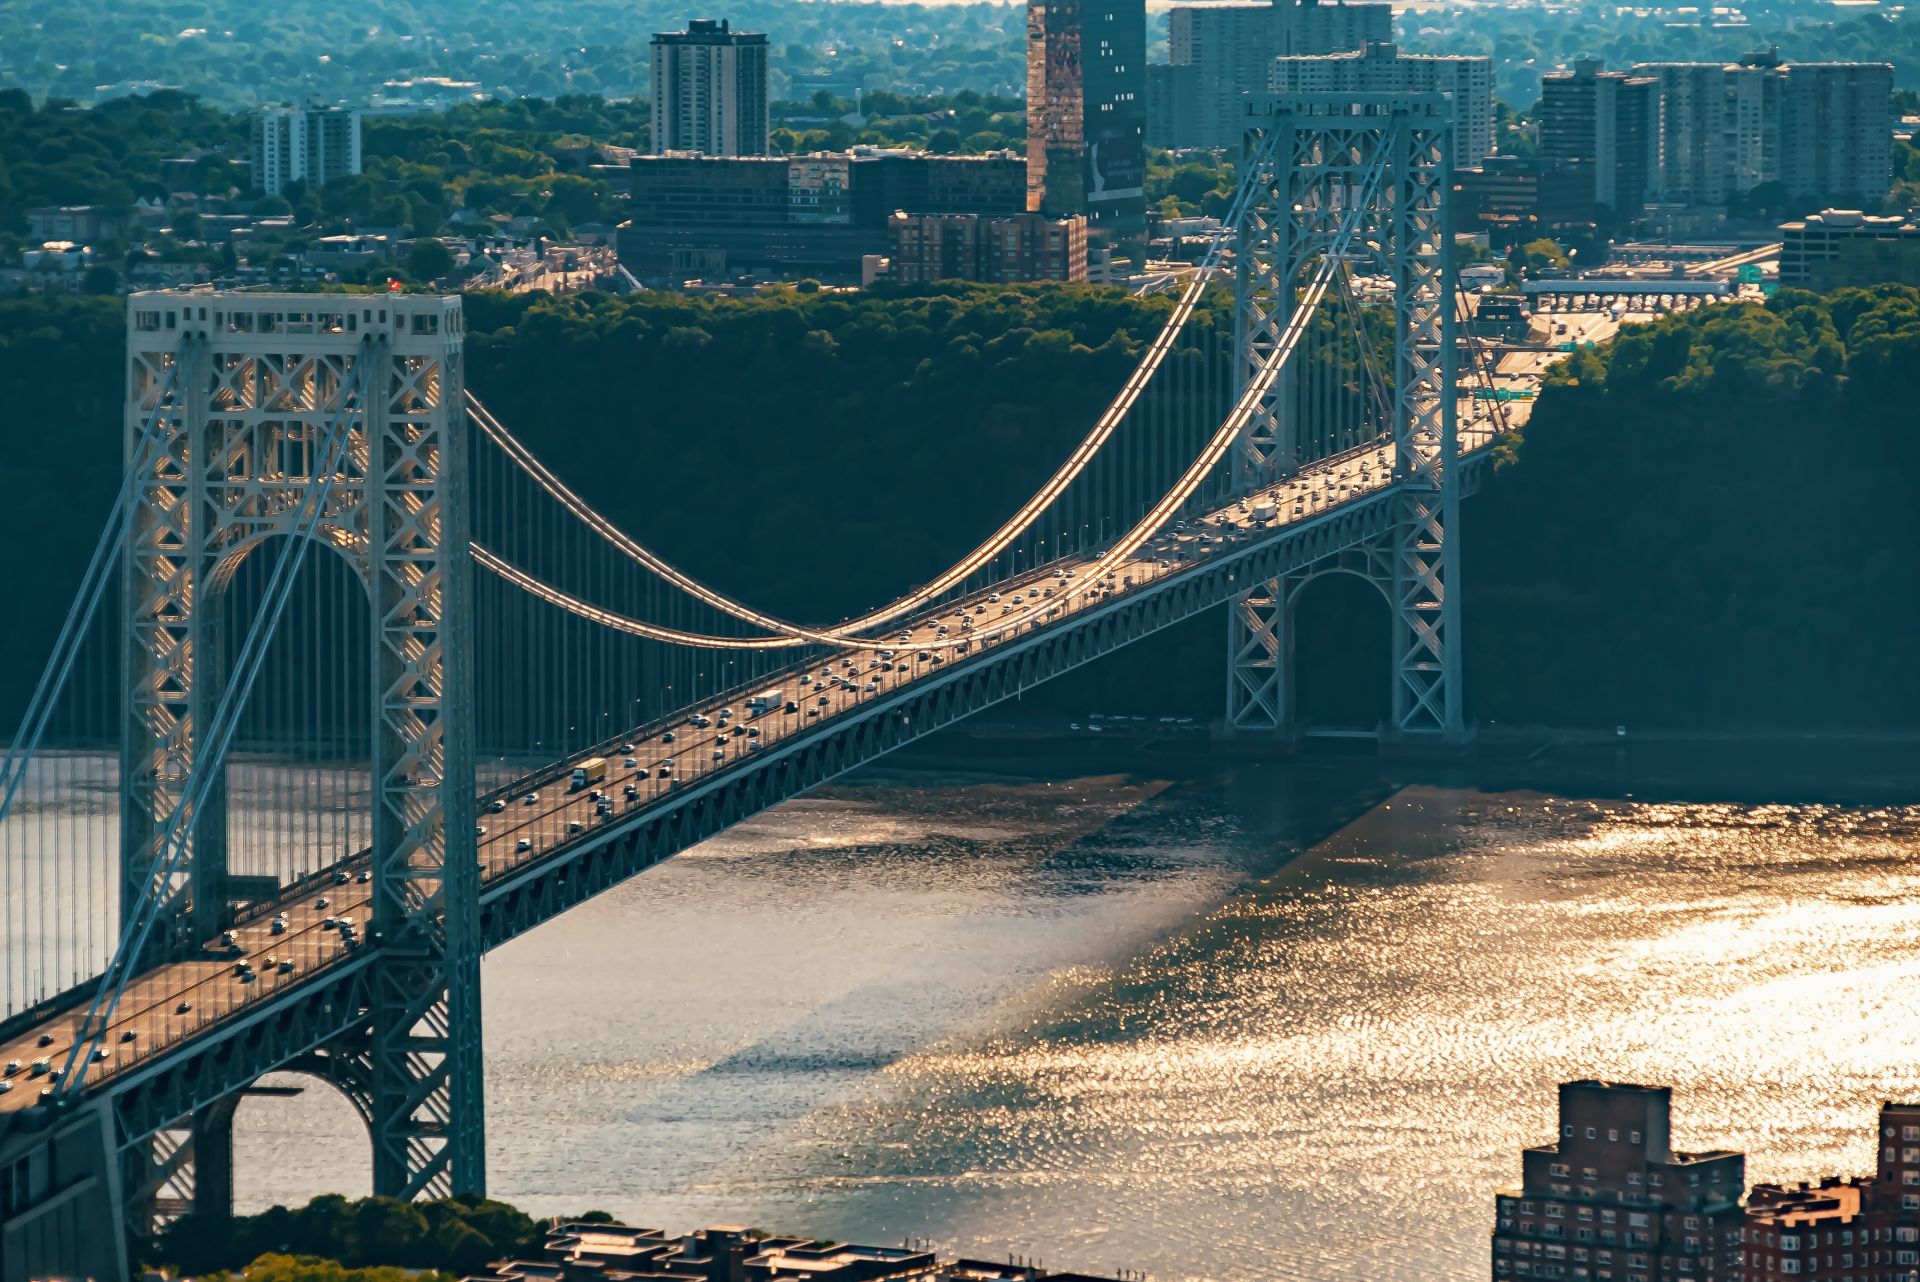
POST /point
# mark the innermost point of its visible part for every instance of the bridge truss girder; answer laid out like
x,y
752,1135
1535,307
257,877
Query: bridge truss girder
x,y
324,1026
1329,145
270,379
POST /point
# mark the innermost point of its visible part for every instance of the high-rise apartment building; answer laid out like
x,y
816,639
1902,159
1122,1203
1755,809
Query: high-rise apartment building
x,y
1819,129
1231,48
710,90
1309,29
1087,114
313,144
1381,68
1610,1198
1688,163
1173,104
1836,129
1604,120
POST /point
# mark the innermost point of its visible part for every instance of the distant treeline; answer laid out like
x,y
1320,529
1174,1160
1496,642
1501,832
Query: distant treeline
x,y
1709,522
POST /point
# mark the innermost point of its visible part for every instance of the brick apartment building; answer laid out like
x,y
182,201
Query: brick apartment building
x,y
785,216
1858,1229
1018,247
1611,1201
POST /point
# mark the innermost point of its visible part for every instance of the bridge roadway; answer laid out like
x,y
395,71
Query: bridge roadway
x,y
537,820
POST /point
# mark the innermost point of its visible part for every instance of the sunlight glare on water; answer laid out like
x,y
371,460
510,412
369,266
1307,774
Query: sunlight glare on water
x,y
1060,1021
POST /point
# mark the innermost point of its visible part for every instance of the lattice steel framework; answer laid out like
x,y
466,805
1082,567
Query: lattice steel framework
x,y
1328,145
272,379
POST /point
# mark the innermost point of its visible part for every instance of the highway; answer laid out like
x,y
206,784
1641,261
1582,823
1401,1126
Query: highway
x,y
300,935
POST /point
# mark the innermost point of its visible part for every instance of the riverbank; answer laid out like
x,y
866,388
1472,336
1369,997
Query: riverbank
x,y
1758,767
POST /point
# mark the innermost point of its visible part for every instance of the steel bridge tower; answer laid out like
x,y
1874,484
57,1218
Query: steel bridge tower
x,y
1328,151
347,409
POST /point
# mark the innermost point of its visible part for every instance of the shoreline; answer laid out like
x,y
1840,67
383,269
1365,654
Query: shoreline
x,y
1755,767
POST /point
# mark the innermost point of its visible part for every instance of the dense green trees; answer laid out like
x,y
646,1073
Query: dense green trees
x,y
1710,522
378,1234
109,155
521,158
273,1267
965,123
240,52
1706,524
732,430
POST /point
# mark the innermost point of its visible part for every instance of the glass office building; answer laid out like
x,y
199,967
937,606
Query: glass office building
x,y
1086,105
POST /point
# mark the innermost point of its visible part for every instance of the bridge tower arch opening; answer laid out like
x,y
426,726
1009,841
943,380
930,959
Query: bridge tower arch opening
x,y
1331,150
1337,635
339,421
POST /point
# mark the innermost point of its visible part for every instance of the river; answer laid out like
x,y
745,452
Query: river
x,y
1204,1020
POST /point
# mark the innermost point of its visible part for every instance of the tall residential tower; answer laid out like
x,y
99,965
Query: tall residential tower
x,y
1466,80
313,144
710,90
1227,51
1605,120
1086,114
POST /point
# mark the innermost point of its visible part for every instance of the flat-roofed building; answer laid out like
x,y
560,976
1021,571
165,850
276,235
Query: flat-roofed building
x,y
1816,1232
1005,250
783,216
1821,130
1230,49
1840,247
312,144
1467,81
1605,120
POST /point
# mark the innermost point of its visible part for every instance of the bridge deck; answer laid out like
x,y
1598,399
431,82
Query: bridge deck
x,y
177,1001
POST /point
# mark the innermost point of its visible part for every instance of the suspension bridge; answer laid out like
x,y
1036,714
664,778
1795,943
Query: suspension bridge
x,y
357,688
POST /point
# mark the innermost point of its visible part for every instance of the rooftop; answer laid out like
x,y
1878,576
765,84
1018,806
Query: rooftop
x,y
1800,1205
1852,220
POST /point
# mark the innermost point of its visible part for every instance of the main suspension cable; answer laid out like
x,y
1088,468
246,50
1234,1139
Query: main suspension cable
x,y
1250,398
1010,531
